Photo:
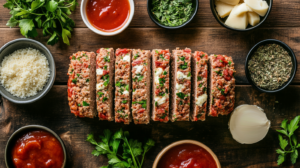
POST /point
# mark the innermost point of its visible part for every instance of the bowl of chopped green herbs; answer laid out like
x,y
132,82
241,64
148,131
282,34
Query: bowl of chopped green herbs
x,y
172,14
270,66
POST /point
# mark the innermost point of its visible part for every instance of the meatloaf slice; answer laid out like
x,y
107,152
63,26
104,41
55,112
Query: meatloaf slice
x,y
82,84
123,86
222,85
105,82
160,84
199,85
181,84
141,86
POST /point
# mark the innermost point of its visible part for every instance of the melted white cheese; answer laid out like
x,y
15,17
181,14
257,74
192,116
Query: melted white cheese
x,y
126,58
126,92
158,72
100,86
179,87
201,99
161,99
180,76
99,71
138,69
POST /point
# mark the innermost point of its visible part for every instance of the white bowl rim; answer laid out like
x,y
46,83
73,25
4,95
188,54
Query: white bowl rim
x,y
97,31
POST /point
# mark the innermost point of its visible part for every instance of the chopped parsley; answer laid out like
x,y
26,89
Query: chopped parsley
x,y
156,51
165,73
167,90
161,94
104,99
73,58
183,66
199,78
163,116
162,57
106,59
79,105
138,77
189,74
200,85
219,73
78,75
87,80
180,95
105,67
182,58
124,101
204,89
74,80
143,103
127,87
162,81
100,94
229,63
85,103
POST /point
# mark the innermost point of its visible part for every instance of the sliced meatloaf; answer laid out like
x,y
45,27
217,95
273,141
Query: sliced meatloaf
x,y
105,81
222,85
123,85
161,84
199,91
82,84
141,86
181,84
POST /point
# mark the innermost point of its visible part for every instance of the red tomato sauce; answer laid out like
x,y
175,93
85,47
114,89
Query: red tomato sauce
x,y
37,149
187,156
108,15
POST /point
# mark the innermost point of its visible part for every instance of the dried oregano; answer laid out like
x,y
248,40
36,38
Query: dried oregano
x,y
270,66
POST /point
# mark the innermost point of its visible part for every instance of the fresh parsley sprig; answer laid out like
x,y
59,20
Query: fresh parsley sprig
x,y
288,130
50,15
132,149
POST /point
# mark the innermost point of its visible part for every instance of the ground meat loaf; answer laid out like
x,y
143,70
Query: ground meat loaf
x,y
105,82
181,86
161,84
199,96
141,78
222,94
81,84
123,85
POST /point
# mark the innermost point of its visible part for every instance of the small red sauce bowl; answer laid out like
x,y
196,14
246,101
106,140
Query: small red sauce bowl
x,y
19,133
178,143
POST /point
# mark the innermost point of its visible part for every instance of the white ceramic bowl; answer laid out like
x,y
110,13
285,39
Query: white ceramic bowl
x,y
88,24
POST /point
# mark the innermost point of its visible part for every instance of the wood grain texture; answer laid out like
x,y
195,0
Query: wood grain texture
x,y
210,40
213,132
278,17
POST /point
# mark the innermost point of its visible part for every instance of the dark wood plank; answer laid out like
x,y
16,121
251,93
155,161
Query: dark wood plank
x,y
210,40
53,111
284,13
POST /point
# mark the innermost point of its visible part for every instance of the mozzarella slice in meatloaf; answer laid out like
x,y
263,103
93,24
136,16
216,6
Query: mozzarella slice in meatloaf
x,y
199,85
123,86
161,84
141,86
105,81
82,84
222,85
181,84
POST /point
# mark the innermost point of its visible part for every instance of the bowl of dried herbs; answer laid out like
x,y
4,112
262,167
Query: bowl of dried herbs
x,y
172,14
270,66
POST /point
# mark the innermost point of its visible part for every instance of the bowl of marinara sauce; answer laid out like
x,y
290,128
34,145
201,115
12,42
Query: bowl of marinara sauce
x,y
107,17
187,154
35,146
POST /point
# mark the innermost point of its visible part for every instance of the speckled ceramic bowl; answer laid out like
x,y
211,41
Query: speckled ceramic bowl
x,y
22,43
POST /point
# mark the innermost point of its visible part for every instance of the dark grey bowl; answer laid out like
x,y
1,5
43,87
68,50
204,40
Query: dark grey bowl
x,y
21,131
21,43
222,20
287,48
195,5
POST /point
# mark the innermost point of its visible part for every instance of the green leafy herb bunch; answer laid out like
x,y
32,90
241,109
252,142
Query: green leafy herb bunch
x,y
50,15
133,150
288,130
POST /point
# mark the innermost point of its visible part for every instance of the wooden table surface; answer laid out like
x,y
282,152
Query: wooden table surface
x,y
204,33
